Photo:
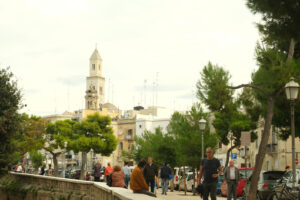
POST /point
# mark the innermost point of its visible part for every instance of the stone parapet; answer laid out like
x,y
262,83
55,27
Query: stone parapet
x,y
48,188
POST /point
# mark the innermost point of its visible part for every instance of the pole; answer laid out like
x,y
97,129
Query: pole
x,y
202,145
293,141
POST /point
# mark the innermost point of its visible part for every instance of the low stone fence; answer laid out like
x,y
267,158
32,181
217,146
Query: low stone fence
x,y
36,187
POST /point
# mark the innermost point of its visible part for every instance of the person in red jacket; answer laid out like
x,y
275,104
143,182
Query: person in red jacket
x,y
108,171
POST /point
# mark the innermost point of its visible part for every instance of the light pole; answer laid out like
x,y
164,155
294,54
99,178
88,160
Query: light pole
x,y
230,137
291,91
202,123
64,163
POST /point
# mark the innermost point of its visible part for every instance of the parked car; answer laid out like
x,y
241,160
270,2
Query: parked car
x,y
267,179
189,182
178,173
245,173
75,174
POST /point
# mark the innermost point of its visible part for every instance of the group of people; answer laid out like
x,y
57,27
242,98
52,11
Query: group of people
x,y
142,177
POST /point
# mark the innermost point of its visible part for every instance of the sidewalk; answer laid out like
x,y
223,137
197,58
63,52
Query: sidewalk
x,y
175,195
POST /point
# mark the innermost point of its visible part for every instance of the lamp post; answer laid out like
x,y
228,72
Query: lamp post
x,y
230,137
202,123
291,91
64,163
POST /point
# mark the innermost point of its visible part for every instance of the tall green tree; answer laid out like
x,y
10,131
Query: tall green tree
x,y
213,90
94,133
36,158
10,119
57,134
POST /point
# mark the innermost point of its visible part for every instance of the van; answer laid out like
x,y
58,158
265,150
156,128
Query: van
x,y
178,174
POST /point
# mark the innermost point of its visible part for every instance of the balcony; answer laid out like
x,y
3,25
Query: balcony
x,y
272,148
129,137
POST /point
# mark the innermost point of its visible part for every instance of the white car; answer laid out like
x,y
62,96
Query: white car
x,y
189,182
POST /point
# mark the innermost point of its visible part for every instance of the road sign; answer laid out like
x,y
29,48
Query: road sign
x,y
234,156
245,138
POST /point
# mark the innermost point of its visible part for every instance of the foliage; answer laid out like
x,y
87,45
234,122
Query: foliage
x,y
157,145
184,128
280,22
212,90
10,120
37,158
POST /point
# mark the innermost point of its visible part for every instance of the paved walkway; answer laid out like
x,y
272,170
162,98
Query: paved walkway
x,y
180,196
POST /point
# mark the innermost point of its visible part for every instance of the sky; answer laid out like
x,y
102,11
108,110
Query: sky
x,y
153,50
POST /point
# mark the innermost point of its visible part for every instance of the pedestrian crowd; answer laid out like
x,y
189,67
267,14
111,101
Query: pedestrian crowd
x,y
143,178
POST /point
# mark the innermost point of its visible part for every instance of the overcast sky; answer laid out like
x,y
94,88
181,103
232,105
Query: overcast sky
x,y
48,43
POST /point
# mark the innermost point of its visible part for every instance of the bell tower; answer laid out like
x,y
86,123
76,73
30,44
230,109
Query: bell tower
x,y
95,83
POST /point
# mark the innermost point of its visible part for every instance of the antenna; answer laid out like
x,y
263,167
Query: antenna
x,y
112,93
108,90
153,93
145,92
156,88
68,98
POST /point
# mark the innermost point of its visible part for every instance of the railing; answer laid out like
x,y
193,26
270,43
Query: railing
x,y
47,187
272,148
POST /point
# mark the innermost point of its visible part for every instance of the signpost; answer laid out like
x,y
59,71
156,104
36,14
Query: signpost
x,y
234,156
245,141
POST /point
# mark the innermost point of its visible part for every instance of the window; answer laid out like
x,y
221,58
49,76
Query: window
x,y
140,126
93,65
130,132
121,146
220,144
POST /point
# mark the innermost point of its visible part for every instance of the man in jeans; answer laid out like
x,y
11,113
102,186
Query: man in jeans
x,y
232,177
126,171
165,172
210,168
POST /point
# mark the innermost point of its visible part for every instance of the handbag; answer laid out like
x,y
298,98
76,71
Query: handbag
x,y
170,176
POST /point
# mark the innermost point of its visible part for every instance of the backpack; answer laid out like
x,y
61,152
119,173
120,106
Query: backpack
x,y
109,180
164,172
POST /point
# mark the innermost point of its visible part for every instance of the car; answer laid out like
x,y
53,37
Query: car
x,y
267,179
245,173
189,182
178,173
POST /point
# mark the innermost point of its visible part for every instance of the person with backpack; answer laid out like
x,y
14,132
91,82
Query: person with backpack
x,y
165,172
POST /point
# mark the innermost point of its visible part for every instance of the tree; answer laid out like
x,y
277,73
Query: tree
x,y
212,89
159,146
10,120
94,133
280,22
37,158
57,134
32,134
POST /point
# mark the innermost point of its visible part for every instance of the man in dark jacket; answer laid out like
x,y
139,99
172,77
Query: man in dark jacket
x,y
165,172
150,172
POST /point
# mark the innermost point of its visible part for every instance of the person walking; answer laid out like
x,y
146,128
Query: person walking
x,y
232,177
126,171
150,172
165,172
137,180
42,170
97,171
108,171
210,169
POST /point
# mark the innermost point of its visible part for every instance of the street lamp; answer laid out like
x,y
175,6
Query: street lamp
x,y
291,91
64,163
230,137
202,123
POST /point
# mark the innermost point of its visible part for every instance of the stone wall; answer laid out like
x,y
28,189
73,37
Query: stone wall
x,y
52,188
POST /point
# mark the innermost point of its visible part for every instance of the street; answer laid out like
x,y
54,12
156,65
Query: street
x,y
175,195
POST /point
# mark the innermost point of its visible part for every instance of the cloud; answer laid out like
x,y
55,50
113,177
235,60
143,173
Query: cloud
x,y
187,96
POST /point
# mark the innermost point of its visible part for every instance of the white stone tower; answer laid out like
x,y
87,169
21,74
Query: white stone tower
x,y
95,83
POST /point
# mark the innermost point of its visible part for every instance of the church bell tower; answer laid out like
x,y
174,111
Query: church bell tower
x,y
95,83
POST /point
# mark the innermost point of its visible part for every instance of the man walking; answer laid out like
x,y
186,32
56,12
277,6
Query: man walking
x,y
150,172
232,177
126,171
165,172
210,168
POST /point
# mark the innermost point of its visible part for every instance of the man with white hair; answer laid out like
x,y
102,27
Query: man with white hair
x,y
232,177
